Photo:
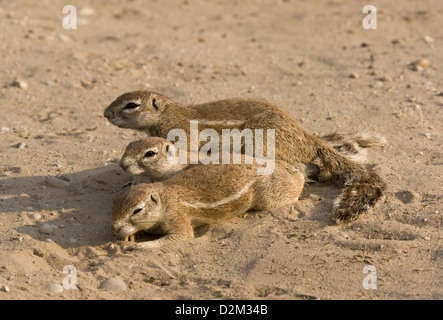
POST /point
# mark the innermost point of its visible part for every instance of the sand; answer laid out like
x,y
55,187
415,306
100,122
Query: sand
x,y
314,58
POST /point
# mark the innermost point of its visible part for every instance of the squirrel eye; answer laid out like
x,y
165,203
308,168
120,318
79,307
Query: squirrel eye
x,y
150,154
136,211
131,105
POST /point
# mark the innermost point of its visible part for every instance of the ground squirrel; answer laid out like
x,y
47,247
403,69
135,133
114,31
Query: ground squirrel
x,y
157,116
149,158
152,157
202,194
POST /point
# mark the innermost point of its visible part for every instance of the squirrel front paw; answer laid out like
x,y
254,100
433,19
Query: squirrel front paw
x,y
143,245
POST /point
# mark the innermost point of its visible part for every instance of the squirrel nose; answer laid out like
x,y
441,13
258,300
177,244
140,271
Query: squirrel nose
x,y
115,229
123,164
108,114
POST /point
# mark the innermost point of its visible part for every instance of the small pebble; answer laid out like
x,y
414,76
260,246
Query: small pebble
x,y
38,253
54,288
36,216
385,79
20,84
20,145
429,39
113,284
5,289
354,75
427,238
113,160
57,183
378,84
47,228
86,11
420,65
427,134
72,240
4,130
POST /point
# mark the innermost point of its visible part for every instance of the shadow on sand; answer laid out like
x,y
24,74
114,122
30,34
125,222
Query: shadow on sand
x,y
80,212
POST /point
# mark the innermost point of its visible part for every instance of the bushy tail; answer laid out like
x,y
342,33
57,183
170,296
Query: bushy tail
x,y
353,145
363,189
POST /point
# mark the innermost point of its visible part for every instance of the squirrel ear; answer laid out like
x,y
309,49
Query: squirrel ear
x,y
155,199
157,104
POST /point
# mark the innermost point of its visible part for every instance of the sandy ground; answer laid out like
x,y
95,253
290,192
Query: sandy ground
x,y
314,58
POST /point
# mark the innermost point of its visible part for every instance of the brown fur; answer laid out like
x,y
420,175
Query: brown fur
x,y
157,115
353,145
149,157
204,194
158,167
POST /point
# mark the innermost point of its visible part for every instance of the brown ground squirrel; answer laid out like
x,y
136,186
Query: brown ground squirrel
x,y
157,159
152,157
202,194
157,116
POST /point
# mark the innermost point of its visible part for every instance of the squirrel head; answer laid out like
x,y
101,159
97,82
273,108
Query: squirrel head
x,y
138,208
137,110
153,157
